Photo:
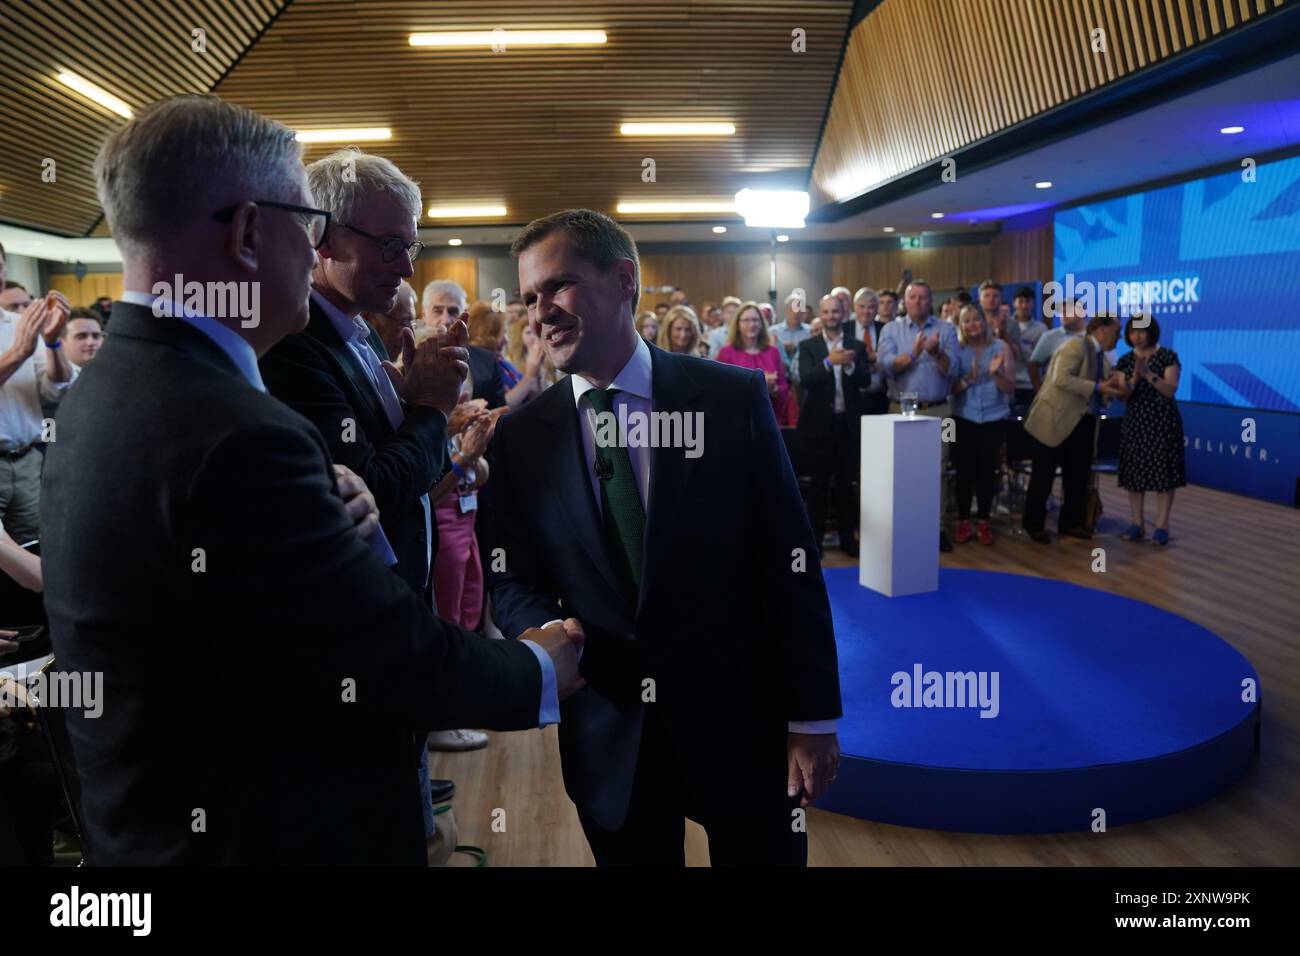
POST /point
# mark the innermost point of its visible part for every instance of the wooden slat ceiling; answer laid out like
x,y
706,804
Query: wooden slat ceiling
x,y
138,50
886,120
537,129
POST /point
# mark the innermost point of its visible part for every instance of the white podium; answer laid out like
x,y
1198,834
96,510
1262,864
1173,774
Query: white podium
x,y
899,504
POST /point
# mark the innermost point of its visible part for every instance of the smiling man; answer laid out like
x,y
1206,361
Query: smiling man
x,y
717,704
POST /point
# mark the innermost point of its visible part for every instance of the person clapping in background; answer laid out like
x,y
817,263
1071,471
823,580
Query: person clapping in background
x,y
1151,455
986,377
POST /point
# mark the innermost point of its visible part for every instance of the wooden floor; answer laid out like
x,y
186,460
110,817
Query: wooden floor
x,y
1233,565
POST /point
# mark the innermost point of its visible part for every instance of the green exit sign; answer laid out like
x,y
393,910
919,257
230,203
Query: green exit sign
x,y
910,242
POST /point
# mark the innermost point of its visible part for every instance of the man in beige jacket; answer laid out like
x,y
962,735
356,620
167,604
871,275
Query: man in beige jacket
x,y
1062,427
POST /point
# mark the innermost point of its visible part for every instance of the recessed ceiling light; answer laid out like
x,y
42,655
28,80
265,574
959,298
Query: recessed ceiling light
x,y
936,215
465,212
677,129
1045,184
888,229
719,229
671,207
355,135
453,242
505,39
1230,130
94,93
783,238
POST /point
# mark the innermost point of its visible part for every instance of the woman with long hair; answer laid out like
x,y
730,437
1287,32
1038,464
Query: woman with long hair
x,y
750,346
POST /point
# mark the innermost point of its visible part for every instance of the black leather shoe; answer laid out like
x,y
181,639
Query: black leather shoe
x,y
1082,533
945,542
442,790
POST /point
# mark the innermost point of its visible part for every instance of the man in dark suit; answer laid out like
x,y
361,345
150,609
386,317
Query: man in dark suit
x,y
835,374
444,302
263,670
718,705
336,375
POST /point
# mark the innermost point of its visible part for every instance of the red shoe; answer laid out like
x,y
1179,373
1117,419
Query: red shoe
x,y
984,533
963,532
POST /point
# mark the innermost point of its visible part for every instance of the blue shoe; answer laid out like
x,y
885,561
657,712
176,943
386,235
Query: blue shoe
x,y
1160,536
1133,533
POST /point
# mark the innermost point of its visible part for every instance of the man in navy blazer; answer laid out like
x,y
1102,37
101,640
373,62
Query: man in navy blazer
x,y
712,687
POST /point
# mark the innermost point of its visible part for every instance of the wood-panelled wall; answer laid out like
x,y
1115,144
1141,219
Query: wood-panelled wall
x,y
943,268
890,116
1022,256
704,278
83,292
464,271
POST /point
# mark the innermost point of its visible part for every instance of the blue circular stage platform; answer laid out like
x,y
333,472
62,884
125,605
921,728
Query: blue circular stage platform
x,y
1009,704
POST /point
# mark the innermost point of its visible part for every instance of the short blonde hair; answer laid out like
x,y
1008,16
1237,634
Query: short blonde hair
x,y
961,331
675,314
733,330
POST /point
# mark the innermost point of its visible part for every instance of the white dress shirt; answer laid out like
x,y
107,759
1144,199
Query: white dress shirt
x,y
21,417
839,371
635,392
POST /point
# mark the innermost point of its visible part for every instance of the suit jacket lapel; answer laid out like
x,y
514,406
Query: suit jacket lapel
x,y
570,484
319,326
670,469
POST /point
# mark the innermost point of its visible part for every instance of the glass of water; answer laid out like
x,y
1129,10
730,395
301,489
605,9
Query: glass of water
x,y
907,403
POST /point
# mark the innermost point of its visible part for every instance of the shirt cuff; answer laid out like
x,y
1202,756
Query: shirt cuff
x,y
813,726
379,544
549,711
848,369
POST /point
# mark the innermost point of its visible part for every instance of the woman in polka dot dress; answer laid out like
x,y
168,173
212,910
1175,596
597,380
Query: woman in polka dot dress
x,y
1151,439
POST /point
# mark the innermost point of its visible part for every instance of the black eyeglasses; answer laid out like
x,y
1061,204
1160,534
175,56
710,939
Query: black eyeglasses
x,y
315,221
392,247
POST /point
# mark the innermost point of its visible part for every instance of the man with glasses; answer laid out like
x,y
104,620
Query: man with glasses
x,y
194,526
336,372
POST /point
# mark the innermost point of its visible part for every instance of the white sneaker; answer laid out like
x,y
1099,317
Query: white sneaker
x,y
457,740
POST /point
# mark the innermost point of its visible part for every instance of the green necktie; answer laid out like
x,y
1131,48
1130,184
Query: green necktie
x,y
620,502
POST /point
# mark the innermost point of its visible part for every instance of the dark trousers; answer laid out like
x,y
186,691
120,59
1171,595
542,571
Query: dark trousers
x,y
834,457
758,830
875,403
1074,456
975,456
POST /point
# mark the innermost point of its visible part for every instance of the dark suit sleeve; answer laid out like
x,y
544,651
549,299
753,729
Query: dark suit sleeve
x,y
397,470
861,366
794,593
496,395
518,603
279,549
812,370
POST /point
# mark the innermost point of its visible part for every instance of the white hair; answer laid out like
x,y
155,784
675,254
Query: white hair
x,y
865,294
840,288
345,176
183,159
439,286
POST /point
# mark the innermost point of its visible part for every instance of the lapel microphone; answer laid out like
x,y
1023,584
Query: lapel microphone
x,y
604,468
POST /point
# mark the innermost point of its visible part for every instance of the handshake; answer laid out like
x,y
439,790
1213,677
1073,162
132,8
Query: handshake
x,y
563,641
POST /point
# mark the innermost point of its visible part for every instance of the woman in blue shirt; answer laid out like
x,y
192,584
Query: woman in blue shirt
x,y
985,379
